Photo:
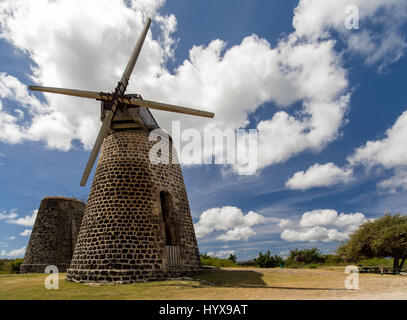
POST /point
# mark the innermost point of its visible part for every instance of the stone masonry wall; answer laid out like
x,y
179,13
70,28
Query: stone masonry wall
x,y
122,236
54,235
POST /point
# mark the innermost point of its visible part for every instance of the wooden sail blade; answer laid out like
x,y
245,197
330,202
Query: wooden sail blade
x,y
133,59
69,92
98,144
166,107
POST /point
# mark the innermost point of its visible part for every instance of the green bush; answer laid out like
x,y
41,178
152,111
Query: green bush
x,y
268,261
305,256
15,265
376,262
248,263
333,260
205,256
216,262
232,258
312,266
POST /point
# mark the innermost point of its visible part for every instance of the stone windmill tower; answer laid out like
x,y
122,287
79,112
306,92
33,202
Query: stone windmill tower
x,y
137,223
54,235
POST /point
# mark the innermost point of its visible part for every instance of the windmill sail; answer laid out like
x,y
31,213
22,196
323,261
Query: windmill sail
x,y
128,101
133,59
69,92
116,99
166,107
120,90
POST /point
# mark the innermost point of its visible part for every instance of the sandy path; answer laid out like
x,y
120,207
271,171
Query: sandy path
x,y
325,283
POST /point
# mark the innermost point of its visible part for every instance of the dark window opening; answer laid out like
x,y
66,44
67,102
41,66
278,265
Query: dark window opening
x,y
167,213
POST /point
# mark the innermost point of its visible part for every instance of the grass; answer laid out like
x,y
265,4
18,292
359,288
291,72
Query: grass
x,y
214,284
208,285
31,287
226,283
217,262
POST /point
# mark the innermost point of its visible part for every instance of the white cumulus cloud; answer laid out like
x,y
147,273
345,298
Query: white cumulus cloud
x,y
324,217
236,234
389,152
398,182
284,223
221,254
229,219
387,44
13,253
66,56
303,69
319,176
314,234
324,225
233,83
28,221
12,214
26,233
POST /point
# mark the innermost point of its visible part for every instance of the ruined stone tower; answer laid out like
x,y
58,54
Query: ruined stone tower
x,y
137,224
54,235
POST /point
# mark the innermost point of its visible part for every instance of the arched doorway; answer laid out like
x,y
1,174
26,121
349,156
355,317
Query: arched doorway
x,y
168,218
171,242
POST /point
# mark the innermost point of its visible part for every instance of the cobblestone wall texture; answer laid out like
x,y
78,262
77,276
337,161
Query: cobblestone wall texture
x,y
123,236
54,235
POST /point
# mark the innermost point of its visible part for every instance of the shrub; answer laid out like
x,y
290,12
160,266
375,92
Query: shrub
x,y
305,256
333,259
268,261
376,262
232,258
216,262
15,265
247,263
204,256
2,263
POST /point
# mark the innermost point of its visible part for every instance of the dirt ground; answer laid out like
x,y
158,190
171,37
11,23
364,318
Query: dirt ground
x,y
224,284
325,284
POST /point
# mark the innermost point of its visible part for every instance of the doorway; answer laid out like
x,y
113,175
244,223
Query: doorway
x,y
168,218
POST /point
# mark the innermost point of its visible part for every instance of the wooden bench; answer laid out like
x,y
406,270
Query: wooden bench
x,y
378,270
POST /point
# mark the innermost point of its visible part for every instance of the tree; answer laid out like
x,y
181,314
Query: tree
x,y
382,238
306,256
204,256
232,258
15,265
2,263
268,261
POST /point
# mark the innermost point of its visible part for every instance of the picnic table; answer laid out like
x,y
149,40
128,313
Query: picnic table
x,y
379,270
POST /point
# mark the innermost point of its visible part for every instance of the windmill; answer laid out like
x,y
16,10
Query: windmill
x,y
111,102
137,224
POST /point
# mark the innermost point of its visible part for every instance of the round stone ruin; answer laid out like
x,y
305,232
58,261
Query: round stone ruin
x,y
54,235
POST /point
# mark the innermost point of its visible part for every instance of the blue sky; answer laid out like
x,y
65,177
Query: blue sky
x,y
329,104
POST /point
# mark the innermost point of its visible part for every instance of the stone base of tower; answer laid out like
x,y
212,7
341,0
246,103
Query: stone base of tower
x,y
40,268
122,276
137,224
